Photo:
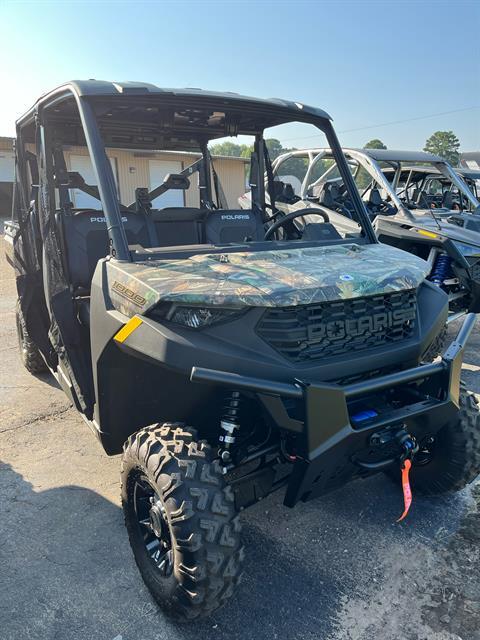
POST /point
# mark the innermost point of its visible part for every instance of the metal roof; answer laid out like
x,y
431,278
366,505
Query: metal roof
x,y
473,174
99,88
137,115
390,155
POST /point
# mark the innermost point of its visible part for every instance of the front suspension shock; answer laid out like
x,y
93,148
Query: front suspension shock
x,y
442,270
229,424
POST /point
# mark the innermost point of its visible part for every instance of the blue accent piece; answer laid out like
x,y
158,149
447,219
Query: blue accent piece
x,y
442,269
364,415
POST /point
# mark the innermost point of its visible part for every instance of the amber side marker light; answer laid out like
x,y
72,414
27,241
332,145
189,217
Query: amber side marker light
x,y
429,234
127,329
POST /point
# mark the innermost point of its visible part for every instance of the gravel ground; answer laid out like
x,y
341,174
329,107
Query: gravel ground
x,y
338,568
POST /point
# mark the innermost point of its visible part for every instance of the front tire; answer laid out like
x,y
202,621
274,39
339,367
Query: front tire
x,y
181,520
31,357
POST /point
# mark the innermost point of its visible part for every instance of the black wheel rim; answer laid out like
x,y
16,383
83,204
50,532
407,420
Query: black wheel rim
x,y
153,525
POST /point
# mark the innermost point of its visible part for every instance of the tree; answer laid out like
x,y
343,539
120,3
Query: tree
x,y
247,150
227,148
275,148
444,144
375,144
295,166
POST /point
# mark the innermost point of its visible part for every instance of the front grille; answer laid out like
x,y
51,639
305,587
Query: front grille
x,y
329,329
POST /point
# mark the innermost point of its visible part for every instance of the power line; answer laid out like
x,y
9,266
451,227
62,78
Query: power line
x,y
387,124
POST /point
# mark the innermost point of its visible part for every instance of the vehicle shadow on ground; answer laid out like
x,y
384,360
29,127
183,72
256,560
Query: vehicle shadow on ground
x,y
60,560
47,378
68,571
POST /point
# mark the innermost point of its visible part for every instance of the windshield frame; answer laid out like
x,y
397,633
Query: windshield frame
x,y
85,98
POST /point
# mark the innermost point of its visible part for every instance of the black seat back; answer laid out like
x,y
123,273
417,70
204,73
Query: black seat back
x,y
420,198
177,226
85,240
328,195
233,225
375,199
447,200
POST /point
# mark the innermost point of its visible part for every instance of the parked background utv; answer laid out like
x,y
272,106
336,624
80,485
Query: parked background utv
x,y
416,201
226,352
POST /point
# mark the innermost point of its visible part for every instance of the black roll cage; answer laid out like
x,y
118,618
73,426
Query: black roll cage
x,y
86,95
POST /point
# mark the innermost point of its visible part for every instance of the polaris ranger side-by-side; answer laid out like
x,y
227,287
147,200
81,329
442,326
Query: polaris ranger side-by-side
x,y
227,353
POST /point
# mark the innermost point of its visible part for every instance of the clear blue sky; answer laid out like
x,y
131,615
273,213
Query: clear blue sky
x,y
366,63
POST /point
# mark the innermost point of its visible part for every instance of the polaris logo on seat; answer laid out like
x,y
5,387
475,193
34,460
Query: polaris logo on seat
x,y
364,325
235,216
102,219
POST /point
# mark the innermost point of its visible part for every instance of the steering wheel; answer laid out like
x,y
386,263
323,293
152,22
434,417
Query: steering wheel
x,y
291,216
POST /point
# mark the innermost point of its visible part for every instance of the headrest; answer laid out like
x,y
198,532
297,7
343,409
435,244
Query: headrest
x,y
288,192
278,187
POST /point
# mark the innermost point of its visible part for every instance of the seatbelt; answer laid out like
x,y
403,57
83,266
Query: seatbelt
x,y
270,179
254,190
219,194
62,179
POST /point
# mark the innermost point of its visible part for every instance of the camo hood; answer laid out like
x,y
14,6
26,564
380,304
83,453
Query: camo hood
x,y
279,278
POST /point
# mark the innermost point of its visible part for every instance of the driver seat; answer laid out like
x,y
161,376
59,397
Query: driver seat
x,y
447,200
420,199
328,195
375,199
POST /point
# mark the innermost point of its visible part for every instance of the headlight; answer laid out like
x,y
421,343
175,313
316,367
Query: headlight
x,y
467,249
194,317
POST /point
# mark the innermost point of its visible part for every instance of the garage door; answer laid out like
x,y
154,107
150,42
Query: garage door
x,y
7,164
83,165
158,170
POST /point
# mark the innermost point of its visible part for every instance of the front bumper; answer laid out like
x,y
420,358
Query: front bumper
x,y
329,443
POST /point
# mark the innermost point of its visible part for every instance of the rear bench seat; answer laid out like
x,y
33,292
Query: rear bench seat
x,y
85,234
85,240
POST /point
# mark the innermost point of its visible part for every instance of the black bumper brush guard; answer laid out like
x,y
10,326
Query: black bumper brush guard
x,y
336,429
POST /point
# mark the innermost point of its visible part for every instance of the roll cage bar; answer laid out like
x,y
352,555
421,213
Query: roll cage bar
x,y
80,109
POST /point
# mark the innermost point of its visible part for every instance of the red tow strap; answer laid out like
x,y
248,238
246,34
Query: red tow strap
x,y
407,492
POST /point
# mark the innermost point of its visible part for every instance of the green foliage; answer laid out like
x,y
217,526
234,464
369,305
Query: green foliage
x,y
444,144
375,144
247,150
294,166
275,148
228,148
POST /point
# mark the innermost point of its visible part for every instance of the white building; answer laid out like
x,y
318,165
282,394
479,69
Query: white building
x,y
132,169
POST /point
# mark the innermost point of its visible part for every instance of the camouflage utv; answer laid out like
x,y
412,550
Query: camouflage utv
x,y
225,352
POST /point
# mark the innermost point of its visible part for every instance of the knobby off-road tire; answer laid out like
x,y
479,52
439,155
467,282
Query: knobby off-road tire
x,y
454,459
31,357
437,346
197,507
